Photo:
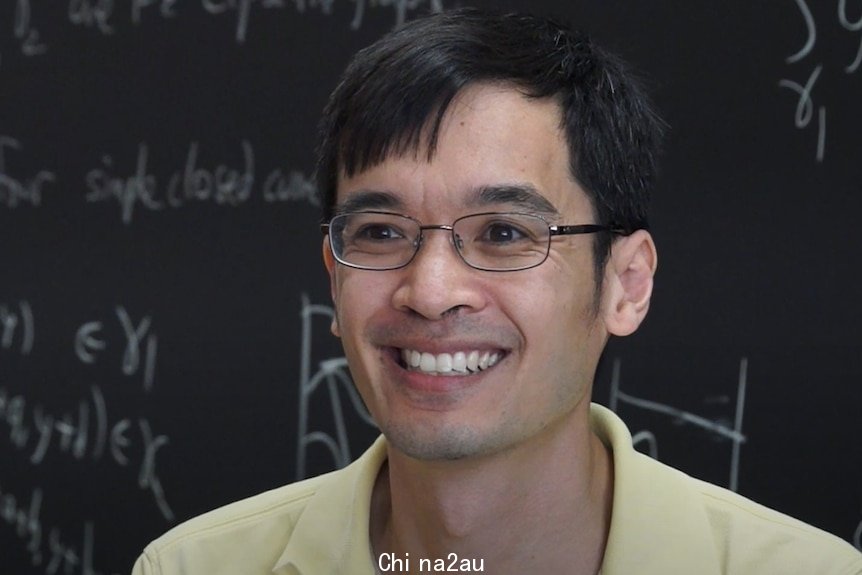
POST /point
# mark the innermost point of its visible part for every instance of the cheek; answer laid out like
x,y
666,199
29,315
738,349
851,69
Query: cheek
x,y
575,287
359,296
556,320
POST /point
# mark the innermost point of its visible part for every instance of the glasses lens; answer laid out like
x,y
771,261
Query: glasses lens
x,y
373,240
502,241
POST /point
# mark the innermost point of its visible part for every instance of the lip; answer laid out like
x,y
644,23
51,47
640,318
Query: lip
x,y
425,383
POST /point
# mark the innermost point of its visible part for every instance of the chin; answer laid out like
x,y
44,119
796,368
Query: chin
x,y
442,444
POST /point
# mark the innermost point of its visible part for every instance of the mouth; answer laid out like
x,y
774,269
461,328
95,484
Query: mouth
x,y
455,364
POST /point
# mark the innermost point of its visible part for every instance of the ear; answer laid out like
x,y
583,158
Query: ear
x,y
331,264
628,282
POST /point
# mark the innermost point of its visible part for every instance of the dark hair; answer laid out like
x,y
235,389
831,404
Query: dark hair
x,y
395,92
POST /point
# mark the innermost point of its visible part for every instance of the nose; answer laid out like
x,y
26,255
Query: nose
x,y
438,282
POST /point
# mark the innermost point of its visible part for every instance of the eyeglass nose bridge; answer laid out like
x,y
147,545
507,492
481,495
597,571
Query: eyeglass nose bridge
x,y
459,243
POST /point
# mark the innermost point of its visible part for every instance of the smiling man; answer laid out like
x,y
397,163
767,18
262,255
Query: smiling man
x,y
478,378
485,183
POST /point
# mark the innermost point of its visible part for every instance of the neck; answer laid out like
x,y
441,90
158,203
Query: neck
x,y
543,506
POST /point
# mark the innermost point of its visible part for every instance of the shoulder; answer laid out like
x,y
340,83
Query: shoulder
x,y
664,521
260,511
253,530
751,538
319,525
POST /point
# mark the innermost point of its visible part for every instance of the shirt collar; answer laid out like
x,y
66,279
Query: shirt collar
x,y
658,523
331,535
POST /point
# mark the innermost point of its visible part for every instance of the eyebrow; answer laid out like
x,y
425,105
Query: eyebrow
x,y
364,200
521,196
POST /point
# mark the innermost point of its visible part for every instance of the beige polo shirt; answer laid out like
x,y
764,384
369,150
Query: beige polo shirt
x,y
663,523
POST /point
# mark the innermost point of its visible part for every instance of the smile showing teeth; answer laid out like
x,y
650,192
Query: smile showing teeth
x,y
452,364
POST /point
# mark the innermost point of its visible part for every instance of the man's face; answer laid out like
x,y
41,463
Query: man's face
x,y
540,324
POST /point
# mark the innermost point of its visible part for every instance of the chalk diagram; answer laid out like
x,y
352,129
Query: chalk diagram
x,y
332,378
734,434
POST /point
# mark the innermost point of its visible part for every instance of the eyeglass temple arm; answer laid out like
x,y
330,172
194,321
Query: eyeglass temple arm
x,y
586,229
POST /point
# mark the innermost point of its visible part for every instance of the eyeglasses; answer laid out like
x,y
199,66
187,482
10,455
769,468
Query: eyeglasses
x,y
488,241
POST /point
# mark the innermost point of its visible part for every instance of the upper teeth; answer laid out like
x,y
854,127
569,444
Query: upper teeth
x,y
449,363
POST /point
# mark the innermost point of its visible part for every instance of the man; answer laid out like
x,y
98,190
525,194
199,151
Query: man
x,y
485,183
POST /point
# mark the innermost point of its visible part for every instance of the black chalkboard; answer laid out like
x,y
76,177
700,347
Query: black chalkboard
x,y
164,343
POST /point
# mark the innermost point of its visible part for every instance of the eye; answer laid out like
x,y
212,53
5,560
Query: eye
x,y
502,232
377,232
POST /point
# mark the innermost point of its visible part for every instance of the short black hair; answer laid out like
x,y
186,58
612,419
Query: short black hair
x,y
394,94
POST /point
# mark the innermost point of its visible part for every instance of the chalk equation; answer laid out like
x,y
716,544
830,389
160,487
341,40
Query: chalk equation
x,y
139,342
46,545
127,181
137,188
401,7
332,379
242,9
108,18
20,190
808,113
24,33
88,432
17,327
140,346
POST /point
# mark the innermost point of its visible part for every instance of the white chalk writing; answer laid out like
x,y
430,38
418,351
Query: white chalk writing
x,y
52,551
87,432
331,372
734,433
17,327
851,26
220,185
805,106
805,109
28,36
17,191
92,13
139,341
109,18
401,8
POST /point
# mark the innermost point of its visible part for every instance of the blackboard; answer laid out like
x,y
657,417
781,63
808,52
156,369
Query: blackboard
x,y
164,344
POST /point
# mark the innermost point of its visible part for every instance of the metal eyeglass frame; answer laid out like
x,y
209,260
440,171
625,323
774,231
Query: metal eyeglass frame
x,y
553,230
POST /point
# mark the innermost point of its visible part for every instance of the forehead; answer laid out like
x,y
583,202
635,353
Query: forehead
x,y
495,145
